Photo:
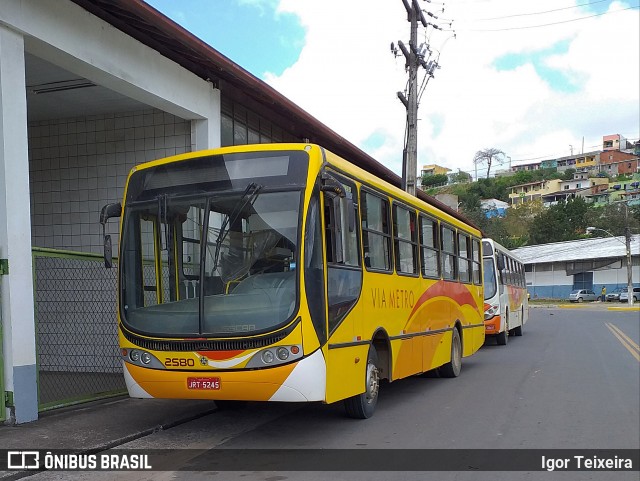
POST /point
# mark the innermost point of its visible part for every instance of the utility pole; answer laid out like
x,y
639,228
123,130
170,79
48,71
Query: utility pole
x,y
627,243
414,59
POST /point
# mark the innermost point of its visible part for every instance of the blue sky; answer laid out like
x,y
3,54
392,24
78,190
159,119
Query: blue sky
x,y
529,78
251,34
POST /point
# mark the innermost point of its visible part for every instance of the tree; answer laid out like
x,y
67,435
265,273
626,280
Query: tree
x,y
518,221
613,218
561,222
568,174
486,155
434,179
460,177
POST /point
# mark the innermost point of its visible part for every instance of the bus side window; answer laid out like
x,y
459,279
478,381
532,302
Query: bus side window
x,y
313,268
340,230
376,235
405,240
344,278
449,262
430,252
464,258
477,278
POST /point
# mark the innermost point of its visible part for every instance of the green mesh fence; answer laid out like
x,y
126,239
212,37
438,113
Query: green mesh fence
x,y
77,339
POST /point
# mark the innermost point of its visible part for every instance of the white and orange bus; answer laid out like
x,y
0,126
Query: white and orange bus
x,y
281,272
506,305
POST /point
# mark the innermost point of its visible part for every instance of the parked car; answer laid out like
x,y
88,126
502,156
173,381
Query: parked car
x,y
580,295
614,295
624,295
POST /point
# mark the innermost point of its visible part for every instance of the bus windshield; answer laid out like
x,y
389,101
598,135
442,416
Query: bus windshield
x,y
490,285
212,264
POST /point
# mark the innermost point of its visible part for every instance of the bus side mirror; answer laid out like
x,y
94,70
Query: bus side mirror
x,y
330,184
500,262
107,212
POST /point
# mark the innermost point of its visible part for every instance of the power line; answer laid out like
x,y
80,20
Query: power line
x,y
552,23
543,12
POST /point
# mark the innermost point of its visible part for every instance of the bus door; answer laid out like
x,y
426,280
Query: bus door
x,y
345,376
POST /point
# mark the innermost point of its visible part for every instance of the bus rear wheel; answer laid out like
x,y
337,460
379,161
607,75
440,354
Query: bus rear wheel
x,y
503,337
453,367
362,406
518,330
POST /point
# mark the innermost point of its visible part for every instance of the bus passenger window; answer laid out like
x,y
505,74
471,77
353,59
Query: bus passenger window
x,y
376,232
464,262
430,255
405,243
477,278
448,253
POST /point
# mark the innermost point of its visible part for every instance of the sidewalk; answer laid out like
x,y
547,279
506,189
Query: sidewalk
x,y
597,305
99,425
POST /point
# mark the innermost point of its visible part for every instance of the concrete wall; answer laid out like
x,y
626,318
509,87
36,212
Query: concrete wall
x,y
78,165
544,283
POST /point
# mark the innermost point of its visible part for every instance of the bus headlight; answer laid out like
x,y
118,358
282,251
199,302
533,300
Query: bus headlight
x,y
267,357
141,358
145,358
490,311
273,356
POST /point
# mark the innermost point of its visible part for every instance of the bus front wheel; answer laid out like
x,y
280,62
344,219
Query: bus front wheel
x,y
453,367
363,405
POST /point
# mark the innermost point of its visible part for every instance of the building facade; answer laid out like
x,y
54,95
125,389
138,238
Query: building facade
x,y
88,90
554,270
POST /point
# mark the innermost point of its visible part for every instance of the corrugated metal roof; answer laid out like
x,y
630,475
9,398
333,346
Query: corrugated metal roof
x,y
582,249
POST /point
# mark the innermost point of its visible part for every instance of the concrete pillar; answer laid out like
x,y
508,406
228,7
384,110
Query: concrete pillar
x,y
206,133
18,328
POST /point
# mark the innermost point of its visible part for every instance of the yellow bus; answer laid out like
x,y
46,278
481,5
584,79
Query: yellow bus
x,y
506,302
281,272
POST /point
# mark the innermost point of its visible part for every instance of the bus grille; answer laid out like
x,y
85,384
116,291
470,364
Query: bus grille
x,y
202,345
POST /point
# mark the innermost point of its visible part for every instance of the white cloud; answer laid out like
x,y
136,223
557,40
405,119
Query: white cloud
x,y
348,79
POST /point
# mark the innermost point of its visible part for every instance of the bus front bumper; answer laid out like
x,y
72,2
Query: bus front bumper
x,y
492,326
301,381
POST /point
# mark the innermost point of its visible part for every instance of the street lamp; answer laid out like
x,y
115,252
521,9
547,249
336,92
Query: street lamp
x,y
627,243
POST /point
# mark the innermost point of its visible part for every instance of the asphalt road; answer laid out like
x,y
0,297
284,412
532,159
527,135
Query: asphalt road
x,y
568,383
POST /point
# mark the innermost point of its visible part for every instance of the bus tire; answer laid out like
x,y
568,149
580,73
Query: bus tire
x,y
518,330
503,337
362,406
454,366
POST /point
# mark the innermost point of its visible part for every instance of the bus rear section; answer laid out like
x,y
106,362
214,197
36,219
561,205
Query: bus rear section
x,y
506,307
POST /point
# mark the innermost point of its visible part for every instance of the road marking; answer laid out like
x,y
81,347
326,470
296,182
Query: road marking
x,y
625,340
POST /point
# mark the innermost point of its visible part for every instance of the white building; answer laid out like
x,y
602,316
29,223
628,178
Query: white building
x,y
554,270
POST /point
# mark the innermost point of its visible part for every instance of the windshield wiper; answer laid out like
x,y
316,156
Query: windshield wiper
x,y
248,197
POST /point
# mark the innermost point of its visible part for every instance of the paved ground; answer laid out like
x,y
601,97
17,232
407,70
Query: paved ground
x,y
97,426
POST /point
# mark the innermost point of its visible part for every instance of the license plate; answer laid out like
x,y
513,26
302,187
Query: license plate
x,y
206,383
